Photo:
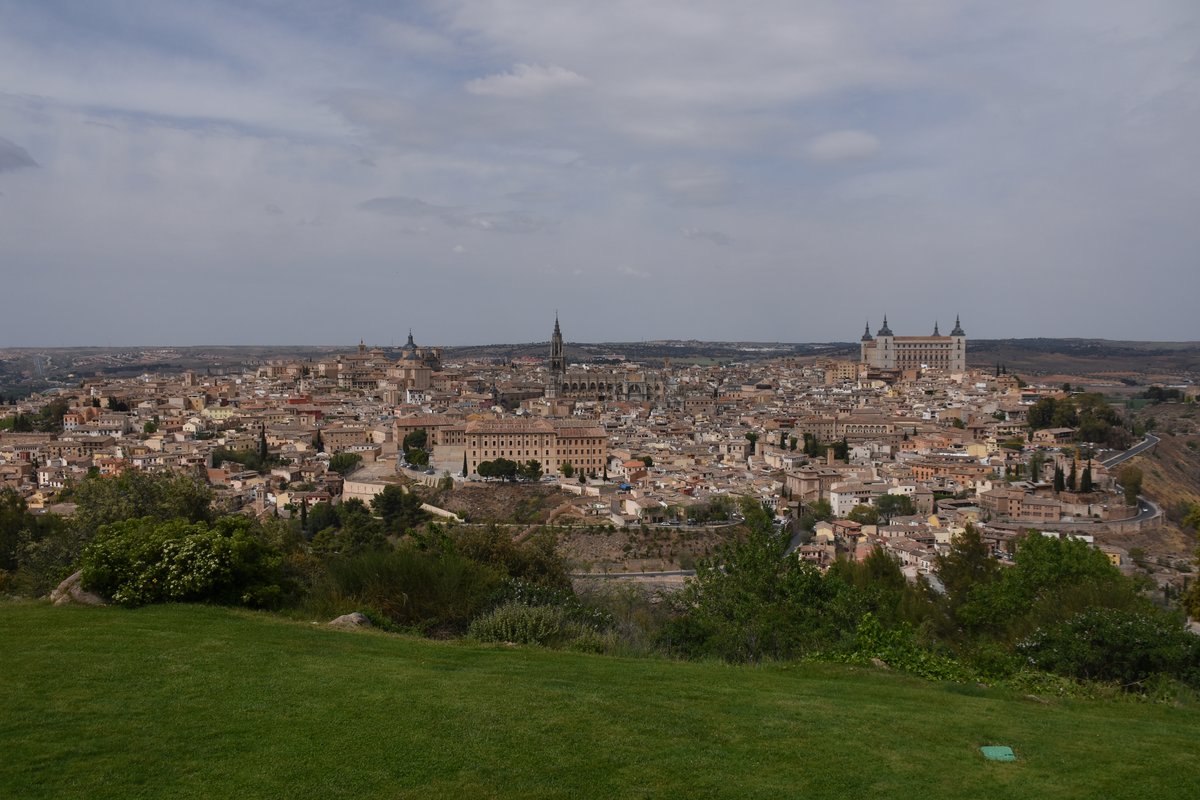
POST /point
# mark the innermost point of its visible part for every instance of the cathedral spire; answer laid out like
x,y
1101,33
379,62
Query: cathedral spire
x,y
935,328
958,331
866,337
885,330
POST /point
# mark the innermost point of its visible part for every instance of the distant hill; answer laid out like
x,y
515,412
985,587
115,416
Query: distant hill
x,y
23,370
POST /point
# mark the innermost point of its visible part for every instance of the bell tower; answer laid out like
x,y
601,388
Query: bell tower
x,y
558,362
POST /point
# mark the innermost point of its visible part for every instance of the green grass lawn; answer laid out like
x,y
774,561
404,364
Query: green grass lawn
x,y
190,701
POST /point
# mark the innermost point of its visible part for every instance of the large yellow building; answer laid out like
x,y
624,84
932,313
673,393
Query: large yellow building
x,y
551,442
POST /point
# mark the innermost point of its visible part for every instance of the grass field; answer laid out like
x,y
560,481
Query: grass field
x,y
204,702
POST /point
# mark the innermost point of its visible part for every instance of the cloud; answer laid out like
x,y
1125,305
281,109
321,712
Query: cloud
x,y
458,249
689,185
13,156
847,145
625,269
707,235
526,81
405,207
455,217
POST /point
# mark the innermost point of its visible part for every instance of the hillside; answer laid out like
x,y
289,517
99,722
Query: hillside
x,y
204,702
1171,475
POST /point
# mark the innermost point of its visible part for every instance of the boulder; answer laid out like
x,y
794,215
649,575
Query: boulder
x,y
71,592
351,621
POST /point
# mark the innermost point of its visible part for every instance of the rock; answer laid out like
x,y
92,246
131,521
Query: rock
x,y
71,591
880,663
351,621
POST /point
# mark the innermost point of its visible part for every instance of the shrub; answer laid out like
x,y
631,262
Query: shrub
x,y
898,648
521,624
1127,647
145,560
432,592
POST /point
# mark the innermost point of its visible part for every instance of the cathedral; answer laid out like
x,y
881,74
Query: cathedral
x,y
623,384
886,351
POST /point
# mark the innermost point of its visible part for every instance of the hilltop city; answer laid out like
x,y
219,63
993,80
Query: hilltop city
x,y
900,448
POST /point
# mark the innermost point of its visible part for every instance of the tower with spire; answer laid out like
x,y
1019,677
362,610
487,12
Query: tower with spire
x,y
558,361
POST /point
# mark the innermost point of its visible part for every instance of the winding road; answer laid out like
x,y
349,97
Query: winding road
x,y
1136,450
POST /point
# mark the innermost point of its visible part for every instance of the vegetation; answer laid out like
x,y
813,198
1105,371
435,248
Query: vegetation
x,y
511,470
1088,412
1061,610
344,463
145,560
194,702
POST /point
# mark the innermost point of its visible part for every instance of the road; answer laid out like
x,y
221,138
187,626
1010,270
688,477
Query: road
x,y
1136,450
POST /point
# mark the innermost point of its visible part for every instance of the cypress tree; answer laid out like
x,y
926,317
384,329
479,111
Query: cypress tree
x,y
1085,483
464,464
1059,480
1071,477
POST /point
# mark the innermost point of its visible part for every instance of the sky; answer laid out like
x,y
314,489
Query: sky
x,y
304,172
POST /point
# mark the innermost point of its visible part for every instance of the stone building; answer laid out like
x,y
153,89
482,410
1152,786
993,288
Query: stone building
x,y
551,442
621,384
886,351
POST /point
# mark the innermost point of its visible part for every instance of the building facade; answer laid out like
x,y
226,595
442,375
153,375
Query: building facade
x,y
886,351
551,442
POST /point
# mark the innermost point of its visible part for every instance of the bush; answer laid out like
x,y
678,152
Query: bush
x,y
1127,647
521,624
141,561
898,648
429,592
544,625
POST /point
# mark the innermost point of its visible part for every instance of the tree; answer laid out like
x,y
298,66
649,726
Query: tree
x,y
132,494
418,439
748,602
1071,482
263,453
894,505
567,469
531,470
416,457
792,443
863,515
1130,478
752,437
967,564
400,510
1085,481
319,442
648,461
782,440
1060,482
464,466
150,427
344,463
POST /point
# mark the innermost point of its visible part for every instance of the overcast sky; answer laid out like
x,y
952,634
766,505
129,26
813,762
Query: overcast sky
x,y
301,172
